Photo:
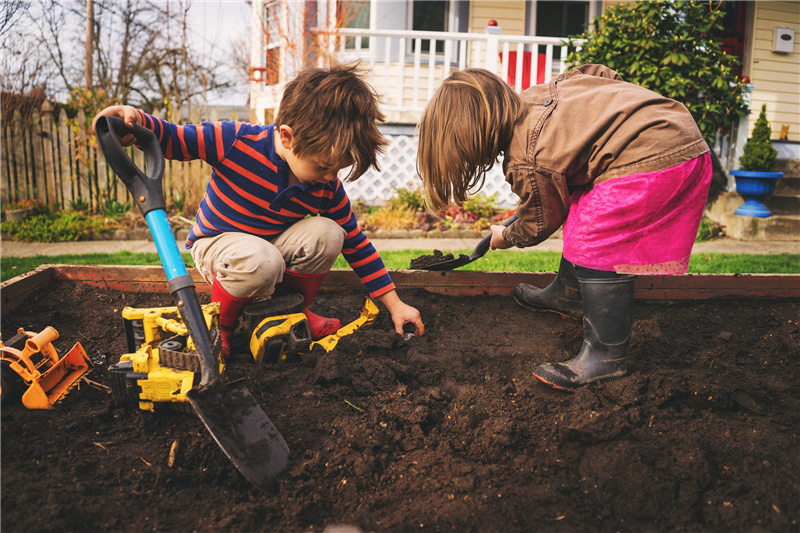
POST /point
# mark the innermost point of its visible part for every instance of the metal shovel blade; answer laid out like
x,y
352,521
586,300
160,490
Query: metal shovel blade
x,y
243,431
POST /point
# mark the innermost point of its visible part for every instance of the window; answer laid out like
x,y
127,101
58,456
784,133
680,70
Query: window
x,y
353,14
561,19
430,15
272,38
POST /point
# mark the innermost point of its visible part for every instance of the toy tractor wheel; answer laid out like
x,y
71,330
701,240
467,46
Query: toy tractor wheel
x,y
11,383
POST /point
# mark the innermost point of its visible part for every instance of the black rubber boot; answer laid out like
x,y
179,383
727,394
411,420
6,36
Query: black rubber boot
x,y
562,296
607,324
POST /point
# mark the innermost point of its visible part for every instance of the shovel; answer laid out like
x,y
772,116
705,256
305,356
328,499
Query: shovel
x,y
228,410
479,251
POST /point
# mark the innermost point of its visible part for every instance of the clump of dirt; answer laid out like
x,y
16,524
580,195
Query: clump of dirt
x,y
424,261
448,431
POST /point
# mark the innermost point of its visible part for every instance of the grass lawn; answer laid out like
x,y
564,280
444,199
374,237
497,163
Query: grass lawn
x,y
494,261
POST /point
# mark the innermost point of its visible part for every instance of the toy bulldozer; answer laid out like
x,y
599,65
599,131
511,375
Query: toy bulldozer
x,y
163,364
30,360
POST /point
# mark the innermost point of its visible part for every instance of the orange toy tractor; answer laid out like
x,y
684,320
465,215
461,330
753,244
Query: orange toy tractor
x,y
30,361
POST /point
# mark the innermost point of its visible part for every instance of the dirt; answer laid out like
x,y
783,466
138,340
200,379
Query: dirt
x,y
448,431
424,261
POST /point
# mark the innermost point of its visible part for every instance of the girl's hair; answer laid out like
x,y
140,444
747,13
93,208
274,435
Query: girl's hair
x,y
334,114
466,125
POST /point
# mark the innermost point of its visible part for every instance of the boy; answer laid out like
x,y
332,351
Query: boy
x,y
252,236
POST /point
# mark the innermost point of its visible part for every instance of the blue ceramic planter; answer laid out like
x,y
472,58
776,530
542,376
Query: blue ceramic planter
x,y
754,187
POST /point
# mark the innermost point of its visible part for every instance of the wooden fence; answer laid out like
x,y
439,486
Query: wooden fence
x,y
55,160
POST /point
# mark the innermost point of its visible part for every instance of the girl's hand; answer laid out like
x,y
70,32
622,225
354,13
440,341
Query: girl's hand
x,y
128,114
498,242
402,314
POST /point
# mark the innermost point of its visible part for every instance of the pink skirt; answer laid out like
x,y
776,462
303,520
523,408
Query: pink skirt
x,y
641,223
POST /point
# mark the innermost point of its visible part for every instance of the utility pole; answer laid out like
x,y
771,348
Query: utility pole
x,y
87,71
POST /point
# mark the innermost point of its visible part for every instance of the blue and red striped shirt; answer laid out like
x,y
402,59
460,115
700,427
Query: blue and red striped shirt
x,y
248,191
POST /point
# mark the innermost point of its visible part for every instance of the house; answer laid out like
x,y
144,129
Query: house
x,y
412,45
763,35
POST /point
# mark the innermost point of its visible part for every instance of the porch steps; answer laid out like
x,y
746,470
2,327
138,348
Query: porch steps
x,y
783,225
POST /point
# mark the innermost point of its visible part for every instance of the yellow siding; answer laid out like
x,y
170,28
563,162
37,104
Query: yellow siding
x,y
609,3
776,76
510,16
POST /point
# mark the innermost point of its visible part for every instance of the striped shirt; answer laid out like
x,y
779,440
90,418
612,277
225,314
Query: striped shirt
x,y
248,191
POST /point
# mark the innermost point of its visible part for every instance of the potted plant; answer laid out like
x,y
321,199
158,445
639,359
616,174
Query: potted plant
x,y
755,179
16,211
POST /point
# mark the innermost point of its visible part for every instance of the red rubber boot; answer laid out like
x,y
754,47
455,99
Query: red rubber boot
x,y
229,311
308,285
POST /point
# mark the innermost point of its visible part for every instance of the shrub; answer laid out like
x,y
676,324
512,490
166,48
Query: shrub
x,y
481,205
411,198
391,218
114,209
79,204
30,203
59,227
759,155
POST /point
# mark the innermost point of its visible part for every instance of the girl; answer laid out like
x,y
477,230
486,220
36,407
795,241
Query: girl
x,y
625,170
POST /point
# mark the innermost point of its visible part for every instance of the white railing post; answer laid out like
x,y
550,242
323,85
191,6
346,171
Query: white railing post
x,y
417,65
493,46
431,67
401,72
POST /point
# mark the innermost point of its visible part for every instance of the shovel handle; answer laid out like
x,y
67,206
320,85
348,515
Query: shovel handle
x,y
148,194
483,246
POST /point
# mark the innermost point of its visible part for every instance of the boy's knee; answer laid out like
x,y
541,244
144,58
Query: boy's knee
x,y
312,245
251,271
330,235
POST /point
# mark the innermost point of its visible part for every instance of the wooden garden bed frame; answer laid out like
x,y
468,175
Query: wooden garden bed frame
x,y
454,283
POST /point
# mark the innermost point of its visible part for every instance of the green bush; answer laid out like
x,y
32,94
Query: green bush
x,y
407,198
79,204
759,155
63,226
113,209
674,49
481,205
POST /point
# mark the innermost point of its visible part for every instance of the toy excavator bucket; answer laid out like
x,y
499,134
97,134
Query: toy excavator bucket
x,y
48,379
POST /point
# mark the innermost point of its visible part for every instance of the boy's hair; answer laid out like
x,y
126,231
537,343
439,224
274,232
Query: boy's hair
x,y
334,114
465,126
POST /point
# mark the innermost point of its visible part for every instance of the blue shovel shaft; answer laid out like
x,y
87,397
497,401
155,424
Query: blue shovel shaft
x,y
165,244
181,286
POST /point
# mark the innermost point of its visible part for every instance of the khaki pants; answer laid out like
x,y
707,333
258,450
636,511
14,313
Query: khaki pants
x,y
248,266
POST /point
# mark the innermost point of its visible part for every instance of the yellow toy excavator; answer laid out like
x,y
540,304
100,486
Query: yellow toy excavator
x,y
29,361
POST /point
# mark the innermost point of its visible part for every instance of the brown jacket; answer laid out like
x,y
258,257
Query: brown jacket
x,y
585,127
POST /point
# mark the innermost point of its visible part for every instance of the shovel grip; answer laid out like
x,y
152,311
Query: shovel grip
x,y
485,243
147,188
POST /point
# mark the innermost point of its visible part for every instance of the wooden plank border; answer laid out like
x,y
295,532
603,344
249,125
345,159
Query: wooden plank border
x,y
14,291
453,283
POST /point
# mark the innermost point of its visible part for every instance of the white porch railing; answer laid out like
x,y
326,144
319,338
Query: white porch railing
x,y
406,74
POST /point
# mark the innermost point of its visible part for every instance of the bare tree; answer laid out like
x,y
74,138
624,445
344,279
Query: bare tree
x,y
142,54
20,70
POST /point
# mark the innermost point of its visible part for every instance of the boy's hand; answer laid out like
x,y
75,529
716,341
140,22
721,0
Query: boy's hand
x,y
402,314
498,242
128,114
